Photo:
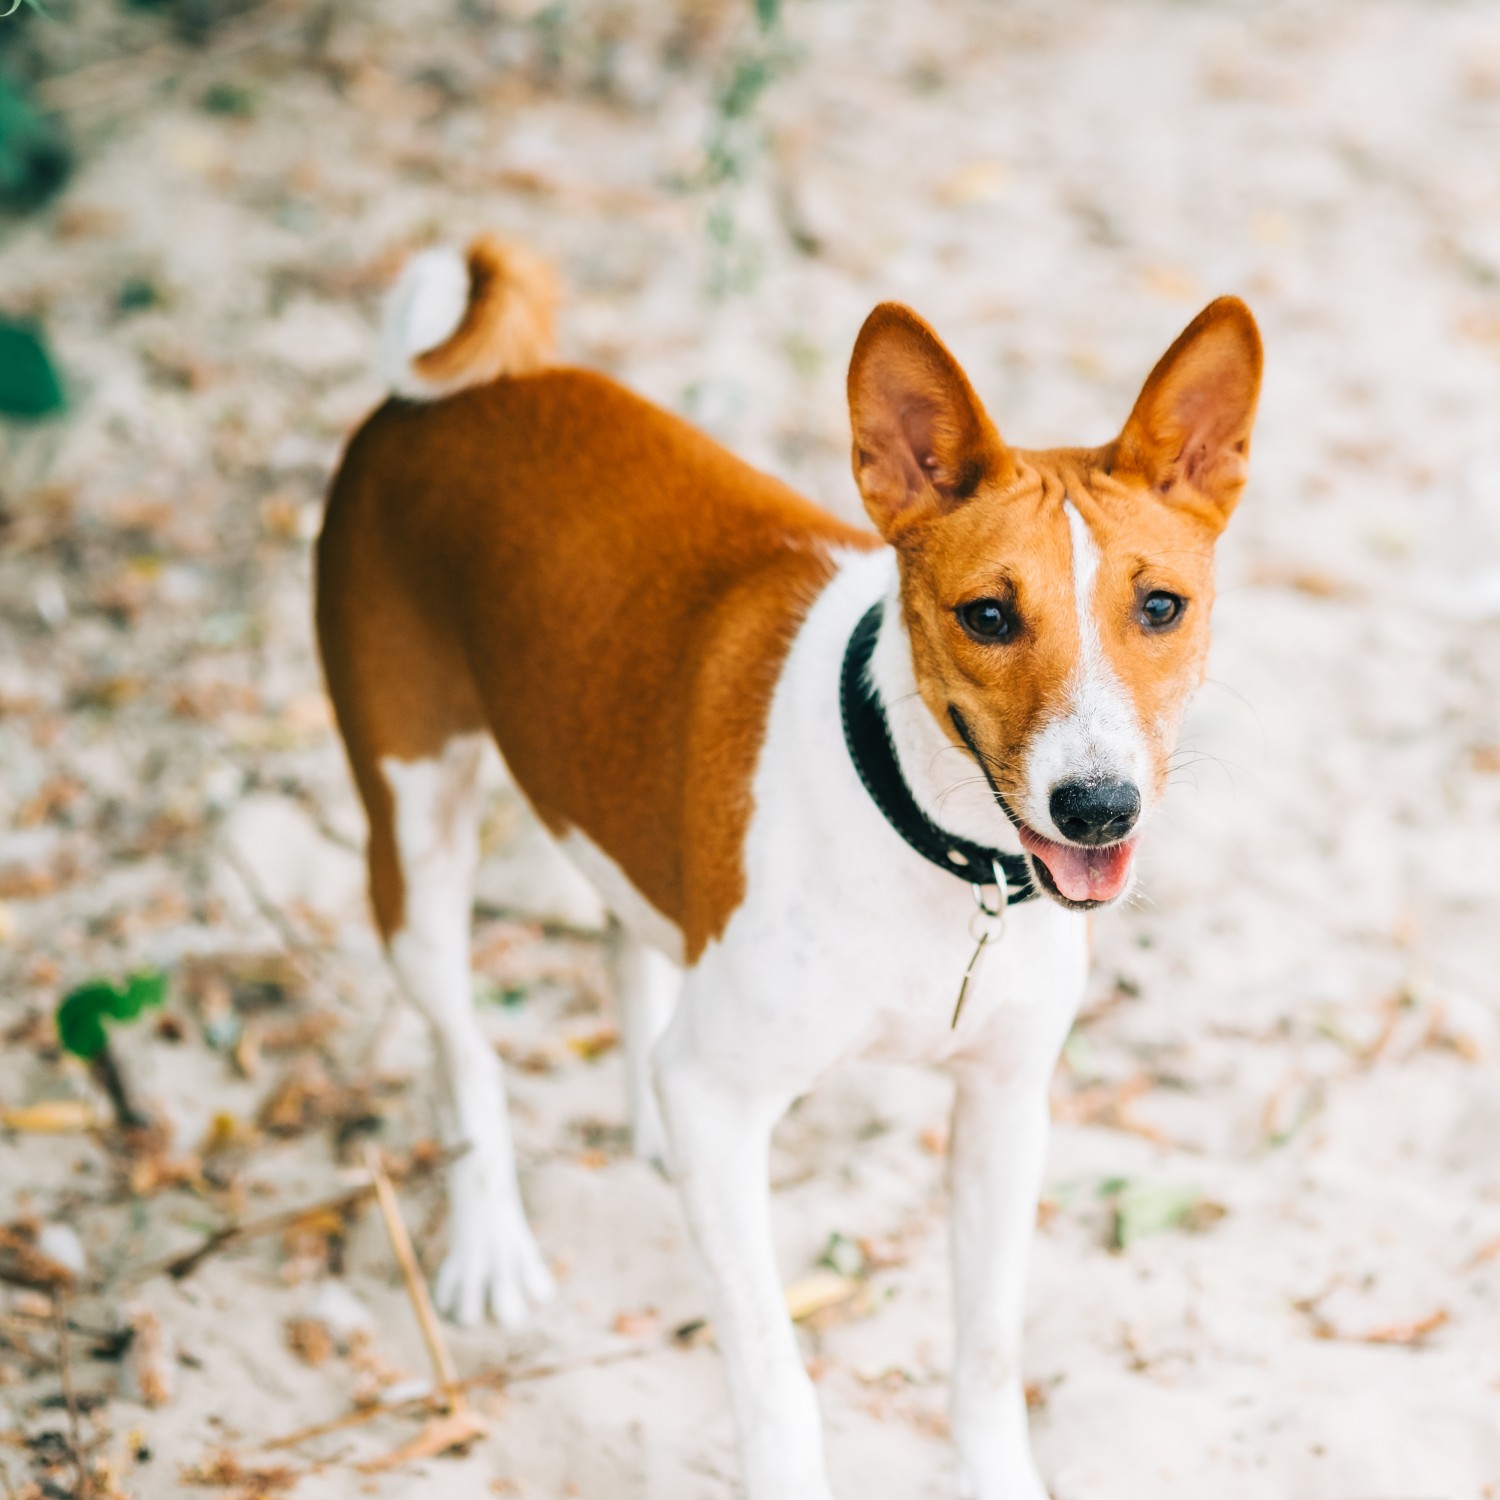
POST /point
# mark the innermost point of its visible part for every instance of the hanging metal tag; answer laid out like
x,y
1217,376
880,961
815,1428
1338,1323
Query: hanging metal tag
x,y
985,926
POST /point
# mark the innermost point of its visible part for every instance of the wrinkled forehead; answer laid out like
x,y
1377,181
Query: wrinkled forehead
x,y
1029,535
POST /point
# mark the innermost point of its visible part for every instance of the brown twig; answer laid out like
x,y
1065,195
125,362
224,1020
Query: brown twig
x,y
65,1369
115,79
416,1283
306,955
482,1380
1486,1252
184,1263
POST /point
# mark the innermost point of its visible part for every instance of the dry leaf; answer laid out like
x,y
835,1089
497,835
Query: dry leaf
x,y
23,1264
1406,1333
440,1435
977,182
637,1325
227,1470
1488,1252
1313,582
151,1364
51,1117
306,1097
812,1294
153,1171
594,1044
1112,1106
309,1339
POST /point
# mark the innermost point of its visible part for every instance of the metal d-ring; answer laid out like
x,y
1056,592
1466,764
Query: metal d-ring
x,y
985,925
982,901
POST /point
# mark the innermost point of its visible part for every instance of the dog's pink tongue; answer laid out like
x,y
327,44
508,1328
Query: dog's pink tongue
x,y
1083,874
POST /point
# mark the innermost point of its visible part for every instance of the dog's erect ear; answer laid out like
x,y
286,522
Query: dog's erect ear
x,y
1189,435
922,441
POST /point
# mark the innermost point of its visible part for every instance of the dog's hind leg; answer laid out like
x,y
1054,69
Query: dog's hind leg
x,y
647,984
493,1263
414,728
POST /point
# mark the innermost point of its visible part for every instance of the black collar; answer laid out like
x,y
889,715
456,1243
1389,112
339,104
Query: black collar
x,y
868,737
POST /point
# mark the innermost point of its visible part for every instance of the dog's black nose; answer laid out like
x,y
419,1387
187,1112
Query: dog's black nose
x,y
1095,812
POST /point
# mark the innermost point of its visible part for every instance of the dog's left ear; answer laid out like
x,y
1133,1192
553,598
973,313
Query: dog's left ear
x,y
1189,435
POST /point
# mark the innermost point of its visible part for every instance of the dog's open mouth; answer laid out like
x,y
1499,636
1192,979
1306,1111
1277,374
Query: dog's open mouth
x,y
1081,876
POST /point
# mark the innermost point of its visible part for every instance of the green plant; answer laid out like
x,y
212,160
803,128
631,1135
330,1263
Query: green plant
x,y
1140,1208
81,1013
34,155
29,385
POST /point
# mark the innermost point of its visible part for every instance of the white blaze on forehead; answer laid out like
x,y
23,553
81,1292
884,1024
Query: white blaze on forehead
x,y
1096,733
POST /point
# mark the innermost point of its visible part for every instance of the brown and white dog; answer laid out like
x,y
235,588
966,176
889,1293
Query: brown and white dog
x,y
670,650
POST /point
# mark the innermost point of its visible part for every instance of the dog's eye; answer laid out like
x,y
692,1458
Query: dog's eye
x,y
987,620
1160,609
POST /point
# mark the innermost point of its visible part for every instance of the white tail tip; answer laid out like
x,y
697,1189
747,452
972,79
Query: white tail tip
x,y
422,310
454,321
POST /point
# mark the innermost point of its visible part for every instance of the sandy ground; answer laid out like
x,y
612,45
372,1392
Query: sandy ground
x,y
1296,1026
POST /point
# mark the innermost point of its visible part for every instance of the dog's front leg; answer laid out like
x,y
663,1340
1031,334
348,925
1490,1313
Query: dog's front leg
x,y
719,1118
998,1153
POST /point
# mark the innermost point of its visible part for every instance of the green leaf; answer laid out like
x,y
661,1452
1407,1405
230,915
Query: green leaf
x,y
229,99
1143,1208
508,995
844,1256
80,1019
82,1012
29,386
749,80
142,991
35,158
767,12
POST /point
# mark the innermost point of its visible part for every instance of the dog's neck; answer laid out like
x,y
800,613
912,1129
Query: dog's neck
x,y
944,778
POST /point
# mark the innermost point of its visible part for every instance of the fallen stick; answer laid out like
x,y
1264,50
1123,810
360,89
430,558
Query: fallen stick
x,y
306,955
1410,1332
482,1380
75,1434
456,1424
441,1434
416,1283
184,1263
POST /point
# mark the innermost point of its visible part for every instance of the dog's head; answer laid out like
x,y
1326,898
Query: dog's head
x,y
1058,601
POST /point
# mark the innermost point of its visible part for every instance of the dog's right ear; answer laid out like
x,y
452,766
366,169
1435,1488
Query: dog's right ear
x,y
922,442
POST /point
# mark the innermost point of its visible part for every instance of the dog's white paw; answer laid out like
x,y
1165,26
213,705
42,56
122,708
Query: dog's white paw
x,y
494,1267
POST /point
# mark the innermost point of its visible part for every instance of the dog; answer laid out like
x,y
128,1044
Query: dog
x,y
848,793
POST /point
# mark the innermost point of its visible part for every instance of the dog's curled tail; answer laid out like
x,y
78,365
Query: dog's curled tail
x,y
454,321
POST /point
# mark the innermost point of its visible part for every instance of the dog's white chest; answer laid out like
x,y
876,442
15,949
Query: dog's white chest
x,y
857,941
